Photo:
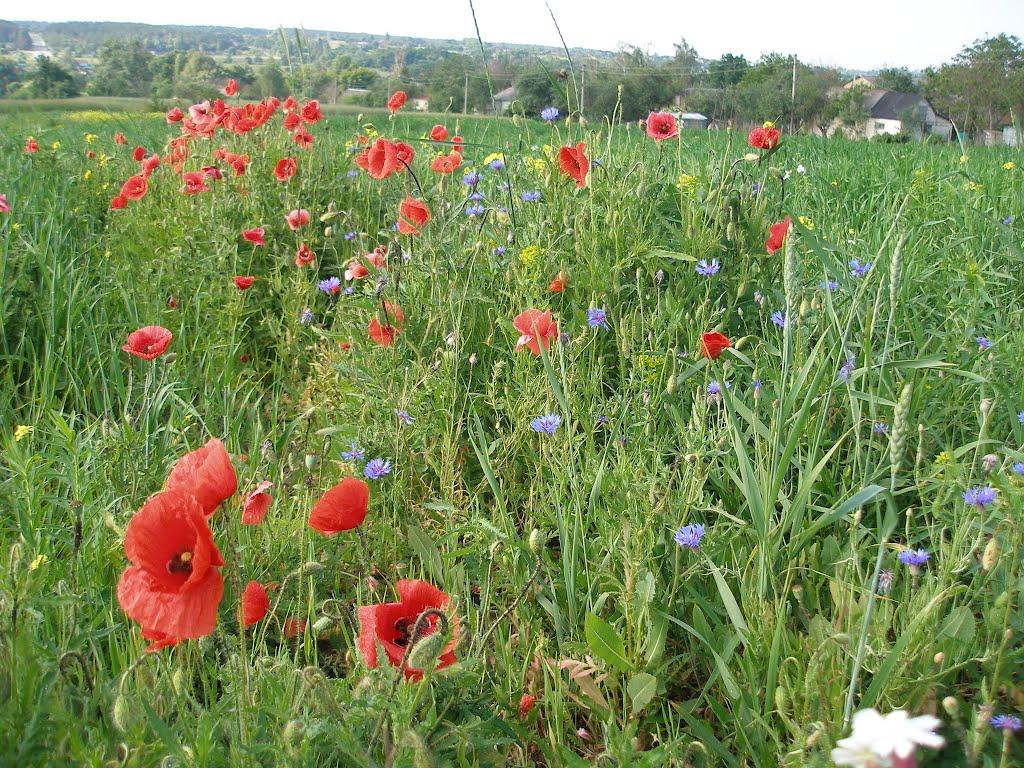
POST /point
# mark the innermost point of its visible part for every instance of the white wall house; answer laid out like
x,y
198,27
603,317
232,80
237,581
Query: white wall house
x,y
892,112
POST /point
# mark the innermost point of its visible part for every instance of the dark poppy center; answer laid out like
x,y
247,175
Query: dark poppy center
x,y
180,563
404,629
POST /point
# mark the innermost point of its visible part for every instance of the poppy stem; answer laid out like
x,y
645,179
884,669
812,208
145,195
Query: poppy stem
x,y
412,173
512,606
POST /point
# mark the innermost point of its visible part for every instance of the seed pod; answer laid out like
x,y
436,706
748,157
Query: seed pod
x,y
536,541
730,231
322,624
781,699
120,714
178,682
951,705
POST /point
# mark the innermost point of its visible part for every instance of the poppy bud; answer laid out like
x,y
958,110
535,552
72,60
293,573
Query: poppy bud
x,y
951,705
121,714
752,156
178,682
939,657
311,461
122,753
988,560
170,357
425,653
328,231
536,542
322,624
292,736
781,700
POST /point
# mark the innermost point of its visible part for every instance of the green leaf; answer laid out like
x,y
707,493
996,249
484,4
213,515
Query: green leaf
x,y
426,550
731,606
605,642
641,689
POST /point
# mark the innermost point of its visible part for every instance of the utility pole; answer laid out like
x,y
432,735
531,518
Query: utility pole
x,y
792,98
465,96
583,87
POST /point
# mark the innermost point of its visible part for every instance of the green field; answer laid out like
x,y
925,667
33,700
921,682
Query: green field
x,y
813,454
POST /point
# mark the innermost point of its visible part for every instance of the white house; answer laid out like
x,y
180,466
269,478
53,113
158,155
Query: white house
x,y
892,113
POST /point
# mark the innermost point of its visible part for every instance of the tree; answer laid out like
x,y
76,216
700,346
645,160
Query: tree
x,y
535,90
847,107
122,69
896,79
50,80
270,81
10,74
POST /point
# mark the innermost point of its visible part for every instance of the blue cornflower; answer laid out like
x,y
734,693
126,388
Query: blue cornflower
x,y
475,210
1006,722
983,343
756,187
471,179
847,368
351,235
689,536
404,417
914,557
530,197
828,285
1008,221
549,114
706,268
353,173
1020,417
757,388
375,469
597,318
330,286
602,420
306,318
857,269
715,389
779,319
980,497
476,197
496,164
499,251
880,428
354,453
1018,468
349,291
546,424
595,164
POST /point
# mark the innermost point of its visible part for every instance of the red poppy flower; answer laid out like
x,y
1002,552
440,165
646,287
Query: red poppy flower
x,y
138,153
119,138
149,342
778,235
384,334
118,203
174,115
289,104
172,302
378,257
207,474
150,164
244,282
405,154
254,235
231,88
256,503
292,120
356,270
713,343
195,182
311,111
457,144
304,256
297,218
302,137
765,137
31,146
560,282
212,172
5,207
526,703
532,324
661,126
173,586
255,603
285,168
135,187
381,159
574,163
438,133
90,155
293,627
396,101
391,625
446,163
413,214
341,508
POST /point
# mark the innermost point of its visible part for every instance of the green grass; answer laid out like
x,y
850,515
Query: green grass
x,y
558,551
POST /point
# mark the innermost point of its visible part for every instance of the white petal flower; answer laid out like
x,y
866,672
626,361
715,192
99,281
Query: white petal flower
x,y
858,751
893,735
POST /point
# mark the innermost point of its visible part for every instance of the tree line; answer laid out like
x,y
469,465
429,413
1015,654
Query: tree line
x,y
978,89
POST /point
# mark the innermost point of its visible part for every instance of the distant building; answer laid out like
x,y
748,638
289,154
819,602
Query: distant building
x,y
503,99
859,81
692,120
892,113
420,105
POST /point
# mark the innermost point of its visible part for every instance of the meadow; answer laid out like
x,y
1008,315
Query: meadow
x,y
629,543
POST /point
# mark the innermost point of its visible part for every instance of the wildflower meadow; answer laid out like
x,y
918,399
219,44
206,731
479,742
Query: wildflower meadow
x,y
392,439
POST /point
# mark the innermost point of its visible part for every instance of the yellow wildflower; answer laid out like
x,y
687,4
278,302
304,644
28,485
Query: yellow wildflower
x,y
87,175
1009,166
528,256
22,431
687,182
90,138
767,124
963,159
55,145
806,222
39,560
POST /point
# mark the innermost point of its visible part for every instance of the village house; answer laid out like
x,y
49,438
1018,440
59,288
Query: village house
x,y
892,113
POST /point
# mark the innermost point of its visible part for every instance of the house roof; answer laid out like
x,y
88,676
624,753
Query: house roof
x,y
891,105
507,94
692,116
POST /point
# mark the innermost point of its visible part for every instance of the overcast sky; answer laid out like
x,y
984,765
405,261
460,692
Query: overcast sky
x,y
859,34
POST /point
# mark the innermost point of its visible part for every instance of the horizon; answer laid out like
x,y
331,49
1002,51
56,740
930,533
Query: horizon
x,y
860,42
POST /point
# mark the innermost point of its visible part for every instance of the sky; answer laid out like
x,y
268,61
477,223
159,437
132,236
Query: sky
x,y
861,34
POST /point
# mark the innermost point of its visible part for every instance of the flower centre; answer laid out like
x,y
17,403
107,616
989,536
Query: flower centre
x,y
180,563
